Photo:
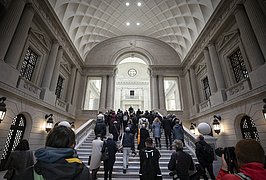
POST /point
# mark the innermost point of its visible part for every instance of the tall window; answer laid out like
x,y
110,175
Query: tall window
x,y
59,87
131,92
206,88
28,64
248,128
238,66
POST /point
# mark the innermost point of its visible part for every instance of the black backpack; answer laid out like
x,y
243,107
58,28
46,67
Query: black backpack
x,y
208,153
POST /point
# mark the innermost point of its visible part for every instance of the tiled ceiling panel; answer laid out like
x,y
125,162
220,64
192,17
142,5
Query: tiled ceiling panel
x,y
176,22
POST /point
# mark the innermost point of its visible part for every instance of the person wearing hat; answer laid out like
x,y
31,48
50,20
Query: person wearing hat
x,y
180,162
127,144
109,163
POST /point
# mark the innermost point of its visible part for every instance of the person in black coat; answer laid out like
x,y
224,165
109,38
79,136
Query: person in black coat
x,y
109,163
180,161
167,126
115,130
144,134
100,128
149,162
200,153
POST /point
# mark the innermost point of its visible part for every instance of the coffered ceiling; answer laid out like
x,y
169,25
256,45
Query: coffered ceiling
x,y
175,22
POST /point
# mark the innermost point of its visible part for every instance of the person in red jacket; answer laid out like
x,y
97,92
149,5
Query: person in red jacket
x,y
250,161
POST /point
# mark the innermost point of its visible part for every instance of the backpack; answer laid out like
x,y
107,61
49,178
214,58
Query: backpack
x,y
149,163
208,153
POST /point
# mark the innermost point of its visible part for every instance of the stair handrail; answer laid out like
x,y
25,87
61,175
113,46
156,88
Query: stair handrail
x,y
190,140
84,131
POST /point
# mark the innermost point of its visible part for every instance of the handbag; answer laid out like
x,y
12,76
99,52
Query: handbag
x,y
105,152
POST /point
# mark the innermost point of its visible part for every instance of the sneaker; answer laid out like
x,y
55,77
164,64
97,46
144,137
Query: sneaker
x,y
127,166
124,171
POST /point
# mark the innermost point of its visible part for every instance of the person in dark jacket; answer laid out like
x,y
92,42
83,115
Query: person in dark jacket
x,y
115,130
58,159
178,131
19,159
128,145
144,134
180,161
204,162
167,126
149,162
100,128
109,163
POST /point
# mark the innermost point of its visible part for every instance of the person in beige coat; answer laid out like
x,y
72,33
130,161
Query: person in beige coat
x,y
96,154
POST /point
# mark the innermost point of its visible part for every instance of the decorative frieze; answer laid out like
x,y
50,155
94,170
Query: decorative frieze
x,y
205,105
28,87
60,104
238,89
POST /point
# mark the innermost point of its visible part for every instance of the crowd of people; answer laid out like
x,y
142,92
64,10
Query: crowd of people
x,y
116,131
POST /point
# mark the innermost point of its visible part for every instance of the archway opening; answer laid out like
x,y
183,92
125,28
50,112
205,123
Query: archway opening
x,y
132,84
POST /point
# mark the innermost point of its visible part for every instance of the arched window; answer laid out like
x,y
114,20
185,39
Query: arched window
x,y
15,134
248,128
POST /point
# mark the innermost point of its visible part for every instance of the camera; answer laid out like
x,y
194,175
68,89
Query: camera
x,y
229,156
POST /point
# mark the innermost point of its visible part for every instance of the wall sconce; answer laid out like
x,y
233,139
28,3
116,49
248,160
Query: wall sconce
x,y
2,108
192,127
72,126
216,124
264,108
49,122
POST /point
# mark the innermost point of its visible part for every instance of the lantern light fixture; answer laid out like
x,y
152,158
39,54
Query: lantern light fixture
x,y
49,122
192,128
2,108
216,124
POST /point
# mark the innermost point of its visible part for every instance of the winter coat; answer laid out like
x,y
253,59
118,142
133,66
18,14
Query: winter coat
x,y
100,128
19,160
56,164
178,132
128,140
149,164
200,153
144,134
112,149
253,170
96,153
115,130
181,162
156,129
167,126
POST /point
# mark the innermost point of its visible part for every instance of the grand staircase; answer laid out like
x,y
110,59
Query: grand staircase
x,y
85,149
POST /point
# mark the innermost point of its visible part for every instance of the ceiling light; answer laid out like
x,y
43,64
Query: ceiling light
x,y
128,23
127,4
139,3
138,23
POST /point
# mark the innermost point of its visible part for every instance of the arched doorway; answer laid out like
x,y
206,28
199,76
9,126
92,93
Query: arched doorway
x,y
248,128
15,134
132,84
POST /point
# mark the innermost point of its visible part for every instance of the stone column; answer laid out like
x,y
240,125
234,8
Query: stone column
x,y
250,42
217,70
258,23
161,92
155,92
194,86
8,25
210,71
18,41
103,93
110,92
56,69
50,65
71,85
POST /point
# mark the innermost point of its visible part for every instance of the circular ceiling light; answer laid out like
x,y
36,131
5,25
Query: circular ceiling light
x,y
139,3
138,23
127,4
128,23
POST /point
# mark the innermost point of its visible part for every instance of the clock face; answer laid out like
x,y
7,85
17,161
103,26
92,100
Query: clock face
x,y
132,72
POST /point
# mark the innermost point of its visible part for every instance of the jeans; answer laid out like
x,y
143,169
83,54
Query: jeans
x,y
126,151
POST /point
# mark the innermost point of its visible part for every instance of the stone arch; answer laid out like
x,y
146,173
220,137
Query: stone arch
x,y
28,125
237,126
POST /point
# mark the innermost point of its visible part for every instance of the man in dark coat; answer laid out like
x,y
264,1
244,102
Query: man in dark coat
x,y
149,162
201,155
167,126
109,163
180,161
100,128
144,134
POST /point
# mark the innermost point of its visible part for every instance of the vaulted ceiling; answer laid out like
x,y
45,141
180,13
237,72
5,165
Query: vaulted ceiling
x,y
175,22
